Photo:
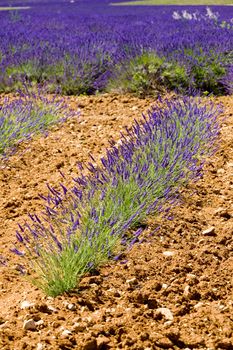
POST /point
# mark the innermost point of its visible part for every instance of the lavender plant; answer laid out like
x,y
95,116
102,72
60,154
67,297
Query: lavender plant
x,y
25,116
88,223
148,73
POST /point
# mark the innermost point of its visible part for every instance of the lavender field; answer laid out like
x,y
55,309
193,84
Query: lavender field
x,y
116,217
87,48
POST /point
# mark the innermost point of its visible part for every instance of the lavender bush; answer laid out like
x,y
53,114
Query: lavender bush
x,y
84,225
25,116
147,73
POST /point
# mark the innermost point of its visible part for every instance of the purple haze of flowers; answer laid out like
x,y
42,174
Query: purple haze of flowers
x,y
139,176
78,46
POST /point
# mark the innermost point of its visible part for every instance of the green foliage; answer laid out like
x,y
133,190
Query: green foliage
x,y
148,73
174,76
140,75
66,269
206,72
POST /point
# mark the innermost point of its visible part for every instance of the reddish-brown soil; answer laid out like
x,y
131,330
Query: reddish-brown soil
x,y
174,291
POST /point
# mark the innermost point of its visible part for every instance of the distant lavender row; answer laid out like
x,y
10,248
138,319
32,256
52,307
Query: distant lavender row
x,y
81,46
86,224
25,116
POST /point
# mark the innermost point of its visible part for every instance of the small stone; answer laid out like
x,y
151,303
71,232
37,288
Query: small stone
x,y
102,341
168,253
187,291
50,298
166,313
26,305
3,324
79,327
110,310
132,281
40,346
209,231
198,305
52,309
65,333
40,323
71,307
90,344
191,279
29,325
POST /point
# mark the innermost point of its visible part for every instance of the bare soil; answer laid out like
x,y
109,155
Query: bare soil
x,y
174,291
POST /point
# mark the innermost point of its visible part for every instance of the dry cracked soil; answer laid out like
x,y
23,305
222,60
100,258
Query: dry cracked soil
x,y
174,291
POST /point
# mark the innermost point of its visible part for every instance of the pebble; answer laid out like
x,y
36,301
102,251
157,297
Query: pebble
x,y
165,312
186,291
198,305
3,324
65,333
71,307
26,305
40,346
190,277
131,281
102,341
168,253
110,311
29,325
90,345
79,327
52,309
209,231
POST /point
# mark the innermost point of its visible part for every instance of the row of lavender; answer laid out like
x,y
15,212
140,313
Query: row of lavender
x,y
86,224
84,47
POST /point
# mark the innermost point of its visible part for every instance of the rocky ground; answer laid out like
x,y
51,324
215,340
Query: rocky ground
x,y
174,291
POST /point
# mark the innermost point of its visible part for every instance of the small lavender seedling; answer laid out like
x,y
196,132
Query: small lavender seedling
x,y
25,116
87,224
